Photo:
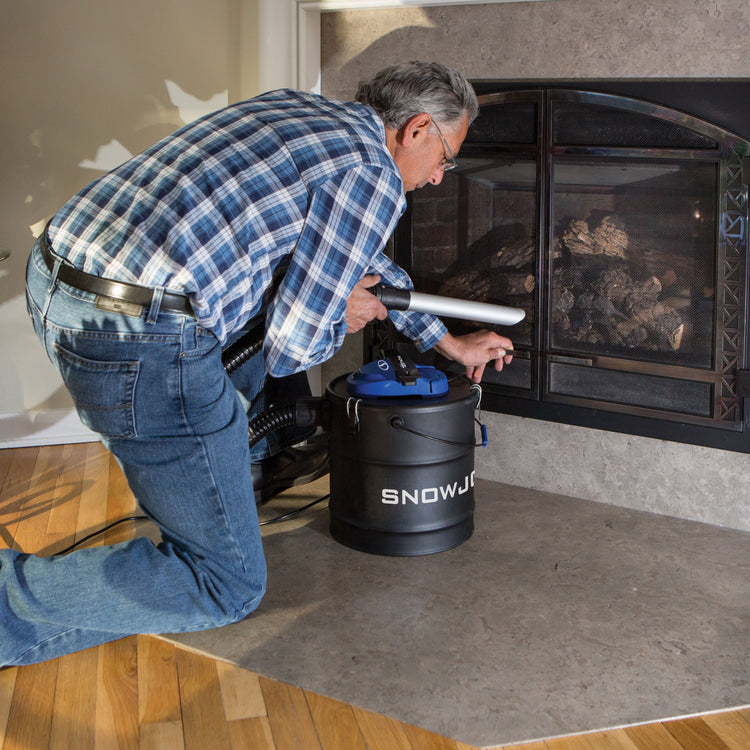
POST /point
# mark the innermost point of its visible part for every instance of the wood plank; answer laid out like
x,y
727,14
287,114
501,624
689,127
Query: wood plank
x,y
422,739
289,715
32,535
240,692
26,498
16,470
159,711
7,458
31,710
733,729
164,735
92,508
120,504
610,739
695,734
652,737
7,686
381,730
158,687
251,734
524,746
335,723
75,701
203,720
66,497
116,722
577,742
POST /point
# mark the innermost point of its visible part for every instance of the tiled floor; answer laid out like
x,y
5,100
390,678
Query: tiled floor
x,y
557,616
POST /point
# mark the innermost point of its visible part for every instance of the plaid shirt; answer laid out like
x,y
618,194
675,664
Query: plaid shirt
x,y
287,181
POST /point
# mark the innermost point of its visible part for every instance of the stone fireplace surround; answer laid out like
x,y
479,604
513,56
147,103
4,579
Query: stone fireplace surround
x,y
570,39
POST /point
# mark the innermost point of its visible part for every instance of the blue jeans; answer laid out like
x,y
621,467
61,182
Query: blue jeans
x,y
154,388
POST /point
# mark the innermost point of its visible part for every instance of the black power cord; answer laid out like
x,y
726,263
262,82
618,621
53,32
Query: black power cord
x,y
105,529
293,513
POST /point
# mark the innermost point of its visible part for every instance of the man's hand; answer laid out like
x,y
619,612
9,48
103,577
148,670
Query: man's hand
x,y
363,306
475,350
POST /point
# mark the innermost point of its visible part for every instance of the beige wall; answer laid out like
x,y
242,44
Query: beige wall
x,y
84,84
554,39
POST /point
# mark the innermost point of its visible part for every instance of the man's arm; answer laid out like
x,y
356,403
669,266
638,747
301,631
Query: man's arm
x,y
348,220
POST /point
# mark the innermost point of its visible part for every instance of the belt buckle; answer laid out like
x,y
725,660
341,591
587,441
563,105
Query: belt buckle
x,y
119,306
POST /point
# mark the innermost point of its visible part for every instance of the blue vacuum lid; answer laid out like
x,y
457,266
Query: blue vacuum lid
x,y
396,377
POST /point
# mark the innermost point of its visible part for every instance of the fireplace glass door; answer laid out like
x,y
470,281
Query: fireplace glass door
x,y
632,281
495,253
619,227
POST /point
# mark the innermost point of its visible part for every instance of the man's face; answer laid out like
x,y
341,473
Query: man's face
x,y
424,154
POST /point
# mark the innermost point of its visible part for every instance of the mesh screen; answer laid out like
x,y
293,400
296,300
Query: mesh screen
x,y
589,125
512,123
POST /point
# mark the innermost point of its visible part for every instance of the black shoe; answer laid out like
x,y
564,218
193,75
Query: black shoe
x,y
290,467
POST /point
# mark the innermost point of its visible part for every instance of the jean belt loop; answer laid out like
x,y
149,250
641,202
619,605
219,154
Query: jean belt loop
x,y
189,329
52,285
153,310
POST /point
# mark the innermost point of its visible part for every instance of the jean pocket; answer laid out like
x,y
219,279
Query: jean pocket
x,y
103,392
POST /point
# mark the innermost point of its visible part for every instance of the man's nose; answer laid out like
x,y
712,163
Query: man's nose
x,y
437,176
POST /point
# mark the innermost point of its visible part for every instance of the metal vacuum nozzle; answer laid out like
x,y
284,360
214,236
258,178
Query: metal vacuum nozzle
x,y
404,299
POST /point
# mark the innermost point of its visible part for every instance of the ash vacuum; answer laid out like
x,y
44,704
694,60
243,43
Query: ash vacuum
x,y
401,453
401,440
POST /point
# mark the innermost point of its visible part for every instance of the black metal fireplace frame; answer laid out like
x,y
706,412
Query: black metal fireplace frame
x,y
711,107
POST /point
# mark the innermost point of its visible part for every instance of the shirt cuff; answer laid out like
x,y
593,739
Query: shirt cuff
x,y
424,330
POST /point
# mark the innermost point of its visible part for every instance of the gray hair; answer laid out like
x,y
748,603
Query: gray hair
x,y
399,92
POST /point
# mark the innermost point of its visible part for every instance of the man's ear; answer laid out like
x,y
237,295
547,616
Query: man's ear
x,y
414,129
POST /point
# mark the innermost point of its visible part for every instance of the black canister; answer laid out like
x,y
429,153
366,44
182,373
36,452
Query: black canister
x,y
402,470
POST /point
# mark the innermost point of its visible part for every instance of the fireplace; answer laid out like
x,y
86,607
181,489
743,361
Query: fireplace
x,y
615,214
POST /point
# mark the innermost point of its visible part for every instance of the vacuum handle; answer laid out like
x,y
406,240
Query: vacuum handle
x,y
392,298
403,299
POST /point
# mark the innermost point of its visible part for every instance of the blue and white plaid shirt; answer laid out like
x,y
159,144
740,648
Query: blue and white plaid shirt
x,y
215,209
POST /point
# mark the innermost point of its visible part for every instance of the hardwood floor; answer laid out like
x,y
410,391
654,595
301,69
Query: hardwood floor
x,y
147,693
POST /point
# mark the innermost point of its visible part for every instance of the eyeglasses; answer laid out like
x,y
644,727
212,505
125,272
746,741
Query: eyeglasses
x,y
449,162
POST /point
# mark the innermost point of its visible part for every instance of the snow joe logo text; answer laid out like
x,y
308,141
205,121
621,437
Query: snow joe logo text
x,y
427,494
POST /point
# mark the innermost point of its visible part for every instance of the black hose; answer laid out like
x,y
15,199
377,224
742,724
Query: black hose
x,y
266,422
239,352
303,413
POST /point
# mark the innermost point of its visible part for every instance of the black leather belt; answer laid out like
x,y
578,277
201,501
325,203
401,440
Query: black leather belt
x,y
116,291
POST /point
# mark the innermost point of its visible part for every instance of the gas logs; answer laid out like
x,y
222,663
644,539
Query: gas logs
x,y
605,289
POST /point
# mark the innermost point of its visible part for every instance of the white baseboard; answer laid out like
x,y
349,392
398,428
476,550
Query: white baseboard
x,y
49,427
